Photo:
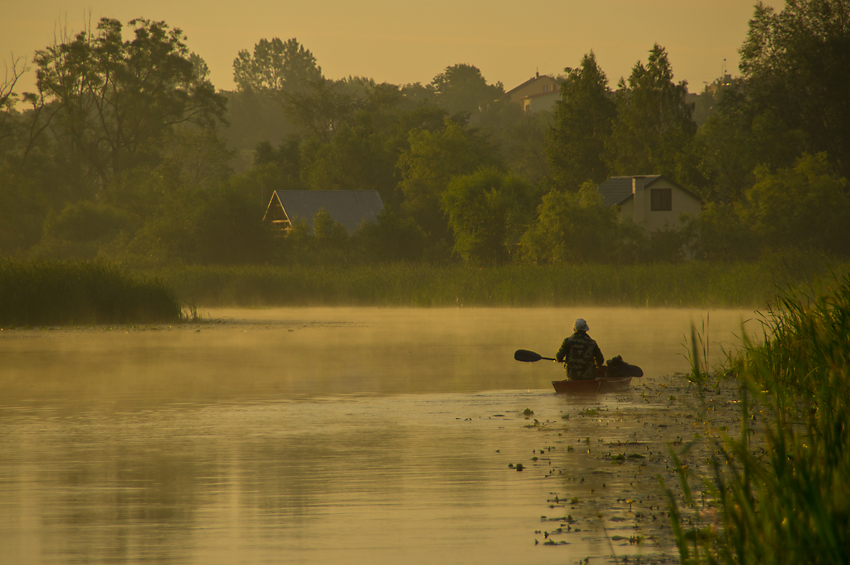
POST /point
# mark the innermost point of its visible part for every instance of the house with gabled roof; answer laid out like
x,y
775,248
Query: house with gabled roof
x,y
348,207
540,92
651,201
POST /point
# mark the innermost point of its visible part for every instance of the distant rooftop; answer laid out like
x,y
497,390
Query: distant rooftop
x,y
348,207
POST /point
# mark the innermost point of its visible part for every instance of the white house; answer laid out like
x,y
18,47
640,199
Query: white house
x,y
652,201
540,92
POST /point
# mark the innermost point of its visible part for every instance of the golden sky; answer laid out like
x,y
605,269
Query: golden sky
x,y
402,42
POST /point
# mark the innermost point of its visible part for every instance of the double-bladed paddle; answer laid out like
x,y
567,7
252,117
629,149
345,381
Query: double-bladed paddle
x,y
530,357
621,369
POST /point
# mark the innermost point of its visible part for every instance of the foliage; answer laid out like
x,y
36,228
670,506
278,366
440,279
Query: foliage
x,y
276,168
695,284
520,138
319,241
320,109
275,65
572,228
795,63
789,501
9,99
86,221
360,156
22,213
805,206
393,237
582,125
38,293
113,101
654,122
462,88
124,135
720,234
328,230
488,211
225,229
254,118
428,165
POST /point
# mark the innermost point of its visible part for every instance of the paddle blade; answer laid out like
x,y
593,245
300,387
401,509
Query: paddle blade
x,y
529,356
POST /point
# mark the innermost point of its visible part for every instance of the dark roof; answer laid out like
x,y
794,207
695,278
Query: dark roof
x,y
348,207
529,81
616,190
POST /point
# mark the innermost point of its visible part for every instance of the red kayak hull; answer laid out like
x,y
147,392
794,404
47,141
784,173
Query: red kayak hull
x,y
592,386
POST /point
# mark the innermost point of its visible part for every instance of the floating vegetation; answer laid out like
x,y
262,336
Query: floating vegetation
x,y
637,434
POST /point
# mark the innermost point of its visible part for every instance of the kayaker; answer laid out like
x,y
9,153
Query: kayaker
x,y
580,352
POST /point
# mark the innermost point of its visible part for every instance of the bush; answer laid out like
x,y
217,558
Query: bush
x,y
54,292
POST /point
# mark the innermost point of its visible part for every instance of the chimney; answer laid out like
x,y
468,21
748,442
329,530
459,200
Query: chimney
x,y
639,202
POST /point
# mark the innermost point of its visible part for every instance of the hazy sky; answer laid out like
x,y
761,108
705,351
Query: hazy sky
x,y
403,42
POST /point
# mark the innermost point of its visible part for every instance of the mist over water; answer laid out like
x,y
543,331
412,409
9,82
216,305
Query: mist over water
x,y
300,435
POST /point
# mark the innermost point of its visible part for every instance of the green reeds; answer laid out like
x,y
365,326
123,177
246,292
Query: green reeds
x,y
782,489
61,293
695,284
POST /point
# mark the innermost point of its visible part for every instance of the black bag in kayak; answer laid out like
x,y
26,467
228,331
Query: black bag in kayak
x,y
616,367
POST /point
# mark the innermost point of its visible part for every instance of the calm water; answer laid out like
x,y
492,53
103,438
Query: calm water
x,y
303,435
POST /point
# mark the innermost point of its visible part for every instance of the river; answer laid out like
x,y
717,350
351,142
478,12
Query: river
x,y
321,435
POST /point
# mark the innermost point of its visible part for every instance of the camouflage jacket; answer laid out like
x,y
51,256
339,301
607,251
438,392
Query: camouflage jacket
x,y
582,354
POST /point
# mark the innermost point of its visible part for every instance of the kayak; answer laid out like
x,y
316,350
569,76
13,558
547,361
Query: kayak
x,y
615,376
592,386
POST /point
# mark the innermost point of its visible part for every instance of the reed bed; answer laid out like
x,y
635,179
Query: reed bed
x,y
694,284
786,500
64,293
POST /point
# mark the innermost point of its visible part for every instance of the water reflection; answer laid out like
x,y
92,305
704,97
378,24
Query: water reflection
x,y
307,436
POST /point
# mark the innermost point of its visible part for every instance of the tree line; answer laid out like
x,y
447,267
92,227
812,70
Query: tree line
x,y
127,151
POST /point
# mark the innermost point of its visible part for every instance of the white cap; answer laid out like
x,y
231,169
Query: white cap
x,y
580,325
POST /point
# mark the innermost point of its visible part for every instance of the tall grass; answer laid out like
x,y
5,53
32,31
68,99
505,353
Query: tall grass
x,y
695,284
788,500
42,293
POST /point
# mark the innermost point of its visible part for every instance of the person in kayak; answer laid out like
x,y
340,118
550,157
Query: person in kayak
x,y
580,352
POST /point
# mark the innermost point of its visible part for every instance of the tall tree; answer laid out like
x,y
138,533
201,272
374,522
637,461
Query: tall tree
x,y
654,123
735,140
8,98
488,212
282,66
462,88
430,162
795,64
115,100
581,126
322,108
